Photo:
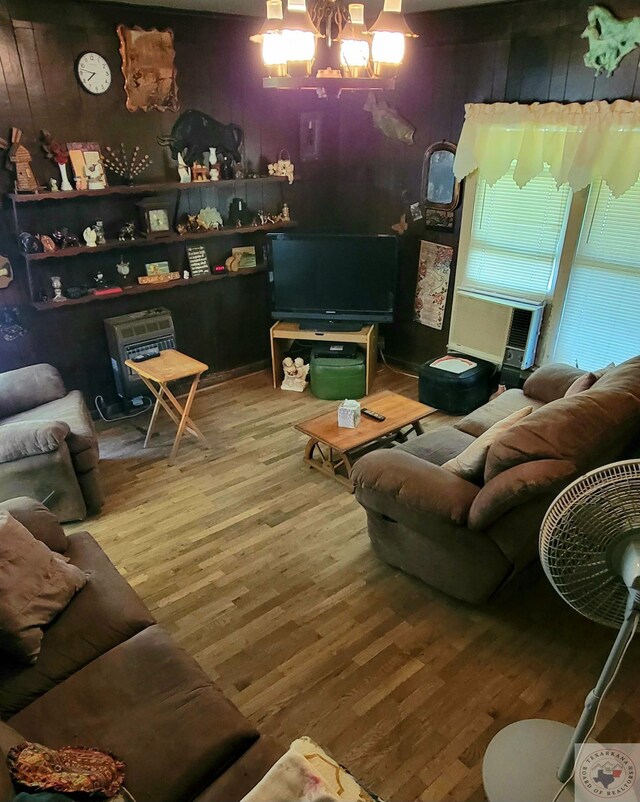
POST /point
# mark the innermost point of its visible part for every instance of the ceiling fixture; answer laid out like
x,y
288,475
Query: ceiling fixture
x,y
369,58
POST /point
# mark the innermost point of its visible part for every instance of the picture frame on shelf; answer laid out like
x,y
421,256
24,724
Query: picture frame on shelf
x,y
157,268
245,256
87,165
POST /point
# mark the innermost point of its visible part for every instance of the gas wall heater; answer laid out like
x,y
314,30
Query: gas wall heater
x,y
136,333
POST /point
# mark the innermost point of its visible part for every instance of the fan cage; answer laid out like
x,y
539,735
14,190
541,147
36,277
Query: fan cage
x,y
579,532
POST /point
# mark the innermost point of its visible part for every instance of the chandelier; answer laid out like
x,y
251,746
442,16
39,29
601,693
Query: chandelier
x,y
369,57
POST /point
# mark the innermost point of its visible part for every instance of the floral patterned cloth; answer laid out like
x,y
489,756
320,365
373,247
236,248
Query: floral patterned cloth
x,y
69,770
434,268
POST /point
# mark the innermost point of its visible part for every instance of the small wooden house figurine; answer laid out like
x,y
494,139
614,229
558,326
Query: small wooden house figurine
x,y
21,158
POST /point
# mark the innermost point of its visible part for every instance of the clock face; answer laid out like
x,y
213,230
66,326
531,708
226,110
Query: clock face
x,y
93,73
158,220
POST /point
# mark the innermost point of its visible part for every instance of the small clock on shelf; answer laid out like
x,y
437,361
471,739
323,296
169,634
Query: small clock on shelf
x,y
93,73
155,218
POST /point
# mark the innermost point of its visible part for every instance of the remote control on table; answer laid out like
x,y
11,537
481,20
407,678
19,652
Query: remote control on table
x,y
371,414
144,357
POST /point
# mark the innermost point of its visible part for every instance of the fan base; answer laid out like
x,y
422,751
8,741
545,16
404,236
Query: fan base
x,y
521,762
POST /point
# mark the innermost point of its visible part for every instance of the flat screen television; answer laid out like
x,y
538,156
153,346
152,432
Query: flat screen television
x,y
329,281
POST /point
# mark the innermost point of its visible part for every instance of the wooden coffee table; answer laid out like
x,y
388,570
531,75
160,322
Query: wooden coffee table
x,y
333,450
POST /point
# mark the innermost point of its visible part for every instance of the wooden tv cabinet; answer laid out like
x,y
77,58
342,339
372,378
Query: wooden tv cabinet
x,y
283,334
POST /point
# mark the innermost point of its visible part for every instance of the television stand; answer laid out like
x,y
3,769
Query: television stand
x,y
283,334
329,325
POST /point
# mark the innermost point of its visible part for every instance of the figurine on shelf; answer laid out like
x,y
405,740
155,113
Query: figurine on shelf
x,y
56,283
198,172
100,236
283,167
214,167
29,243
98,281
126,167
285,216
81,183
226,167
209,219
96,178
89,236
53,185
127,232
21,158
186,275
63,238
47,243
184,173
59,153
123,268
295,374
239,215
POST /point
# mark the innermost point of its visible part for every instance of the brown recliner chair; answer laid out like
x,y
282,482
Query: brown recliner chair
x,y
48,443
468,539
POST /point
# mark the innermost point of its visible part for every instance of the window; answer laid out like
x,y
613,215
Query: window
x,y
516,237
600,320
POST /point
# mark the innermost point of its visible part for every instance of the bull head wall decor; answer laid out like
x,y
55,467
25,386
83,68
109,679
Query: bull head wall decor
x,y
194,133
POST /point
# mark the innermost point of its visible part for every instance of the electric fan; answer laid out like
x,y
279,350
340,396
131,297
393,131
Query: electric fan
x,y
590,551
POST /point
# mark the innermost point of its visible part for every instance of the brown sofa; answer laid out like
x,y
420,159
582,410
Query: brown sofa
x,y
109,677
48,444
467,539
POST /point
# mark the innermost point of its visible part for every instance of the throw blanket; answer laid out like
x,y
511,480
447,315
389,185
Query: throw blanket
x,y
307,774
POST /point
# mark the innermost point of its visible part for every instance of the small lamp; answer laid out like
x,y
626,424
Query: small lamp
x,y
270,37
299,36
389,32
355,50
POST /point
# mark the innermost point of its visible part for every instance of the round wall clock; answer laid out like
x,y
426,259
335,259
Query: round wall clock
x,y
93,73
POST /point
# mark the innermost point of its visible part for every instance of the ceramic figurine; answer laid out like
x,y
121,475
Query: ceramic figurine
x,y
89,236
214,167
285,213
127,232
186,274
99,229
98,280
283,167
194,132
47,243
226,168
53,185
63,238
95,175
209,219
184,173
56,283
295,374
29,243
80,182
198,172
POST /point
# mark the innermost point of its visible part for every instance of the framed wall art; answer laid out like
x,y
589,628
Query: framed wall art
x,y
148,66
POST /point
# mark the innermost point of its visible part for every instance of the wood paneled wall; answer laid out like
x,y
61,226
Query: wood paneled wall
x,y
517,52
224,323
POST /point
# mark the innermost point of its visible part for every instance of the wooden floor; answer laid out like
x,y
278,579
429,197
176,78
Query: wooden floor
x,y
262,569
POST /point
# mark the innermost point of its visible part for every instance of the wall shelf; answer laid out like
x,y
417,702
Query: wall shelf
x,y
116,244
138,289
142,189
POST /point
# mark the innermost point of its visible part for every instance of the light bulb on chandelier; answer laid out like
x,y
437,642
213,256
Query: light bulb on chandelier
x,y
355,51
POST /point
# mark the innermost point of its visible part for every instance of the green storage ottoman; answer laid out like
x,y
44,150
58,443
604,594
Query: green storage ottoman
x,y
336,378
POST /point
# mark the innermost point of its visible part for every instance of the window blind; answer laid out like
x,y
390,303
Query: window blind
x,y
516,237
600,320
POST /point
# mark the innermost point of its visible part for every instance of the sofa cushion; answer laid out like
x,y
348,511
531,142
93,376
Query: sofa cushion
x,y
587,429
148,702
551,382
503,405
437,446
517,486
35,517
72,410
469,464
582,383
106,613
245,773
20,439
625,376
36,584
29,387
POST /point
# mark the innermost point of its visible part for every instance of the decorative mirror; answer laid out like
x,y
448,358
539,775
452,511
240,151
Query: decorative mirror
x,y
440,192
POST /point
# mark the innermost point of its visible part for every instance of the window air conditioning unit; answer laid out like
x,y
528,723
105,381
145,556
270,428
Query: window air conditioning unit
x,y
504,330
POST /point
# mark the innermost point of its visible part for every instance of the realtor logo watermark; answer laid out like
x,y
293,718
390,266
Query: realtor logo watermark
x,y
607,771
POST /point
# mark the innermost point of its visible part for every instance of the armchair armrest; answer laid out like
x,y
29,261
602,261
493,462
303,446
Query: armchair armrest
x,y
406,488
30,438
30,387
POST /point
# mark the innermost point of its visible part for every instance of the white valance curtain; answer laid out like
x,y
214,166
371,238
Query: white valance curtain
x,y
581,142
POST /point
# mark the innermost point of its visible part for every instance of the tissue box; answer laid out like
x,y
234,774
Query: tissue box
x,y
349,414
